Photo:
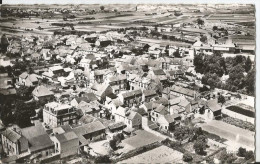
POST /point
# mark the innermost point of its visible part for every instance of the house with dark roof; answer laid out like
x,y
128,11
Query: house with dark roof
x,y
40,144
132,119
118,83
168,122
180,91
148,95
13,142
41,93
159,111
130,98
211,109
28,79
89,132
66,144
86,97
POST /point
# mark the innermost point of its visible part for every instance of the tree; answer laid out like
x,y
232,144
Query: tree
x,y
4,43
187,157
248,64
241,152
199,147
227,158
200,21
249,155
198,63
115,10
23,91
236,74
221,99
103,159
102,8
177,53
203,39
23,113
250,82
112,144
215,28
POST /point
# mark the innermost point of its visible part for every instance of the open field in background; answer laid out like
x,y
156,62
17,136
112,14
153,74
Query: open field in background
x,y
162,154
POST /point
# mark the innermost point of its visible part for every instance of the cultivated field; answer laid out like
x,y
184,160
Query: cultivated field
x,y
162,154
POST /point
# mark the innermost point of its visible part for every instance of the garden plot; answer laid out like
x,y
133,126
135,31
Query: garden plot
x,y
162,154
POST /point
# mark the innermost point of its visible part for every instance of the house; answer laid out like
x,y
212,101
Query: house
x,y
57,71
118,83
46,54
87,97
112,105
89,132
91,108
66,144
28,79
211,109
98,76
5,81
168,122
132,119
116,127
101,91
179,105
137,82
130,98
40,144
55,114
180,91
157,74
87,118
148,95
41,93
35,56
160,110
13,142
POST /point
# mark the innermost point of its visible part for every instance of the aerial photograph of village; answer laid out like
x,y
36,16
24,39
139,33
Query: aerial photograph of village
x,y
127,83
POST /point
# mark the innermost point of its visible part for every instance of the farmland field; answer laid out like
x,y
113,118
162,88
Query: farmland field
x,y
162,154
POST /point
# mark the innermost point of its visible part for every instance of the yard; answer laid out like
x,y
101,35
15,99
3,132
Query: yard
x,y
141,138
162,154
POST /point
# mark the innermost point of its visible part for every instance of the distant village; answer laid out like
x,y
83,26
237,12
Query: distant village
x,y
184,91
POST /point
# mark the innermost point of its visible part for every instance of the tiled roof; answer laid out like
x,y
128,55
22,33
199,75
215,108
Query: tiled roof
x,y
41,91
132,93
11,135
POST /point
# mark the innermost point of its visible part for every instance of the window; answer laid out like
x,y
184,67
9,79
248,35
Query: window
x,y
156,115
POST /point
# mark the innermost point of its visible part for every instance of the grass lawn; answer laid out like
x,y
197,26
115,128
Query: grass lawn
x,y
162,154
